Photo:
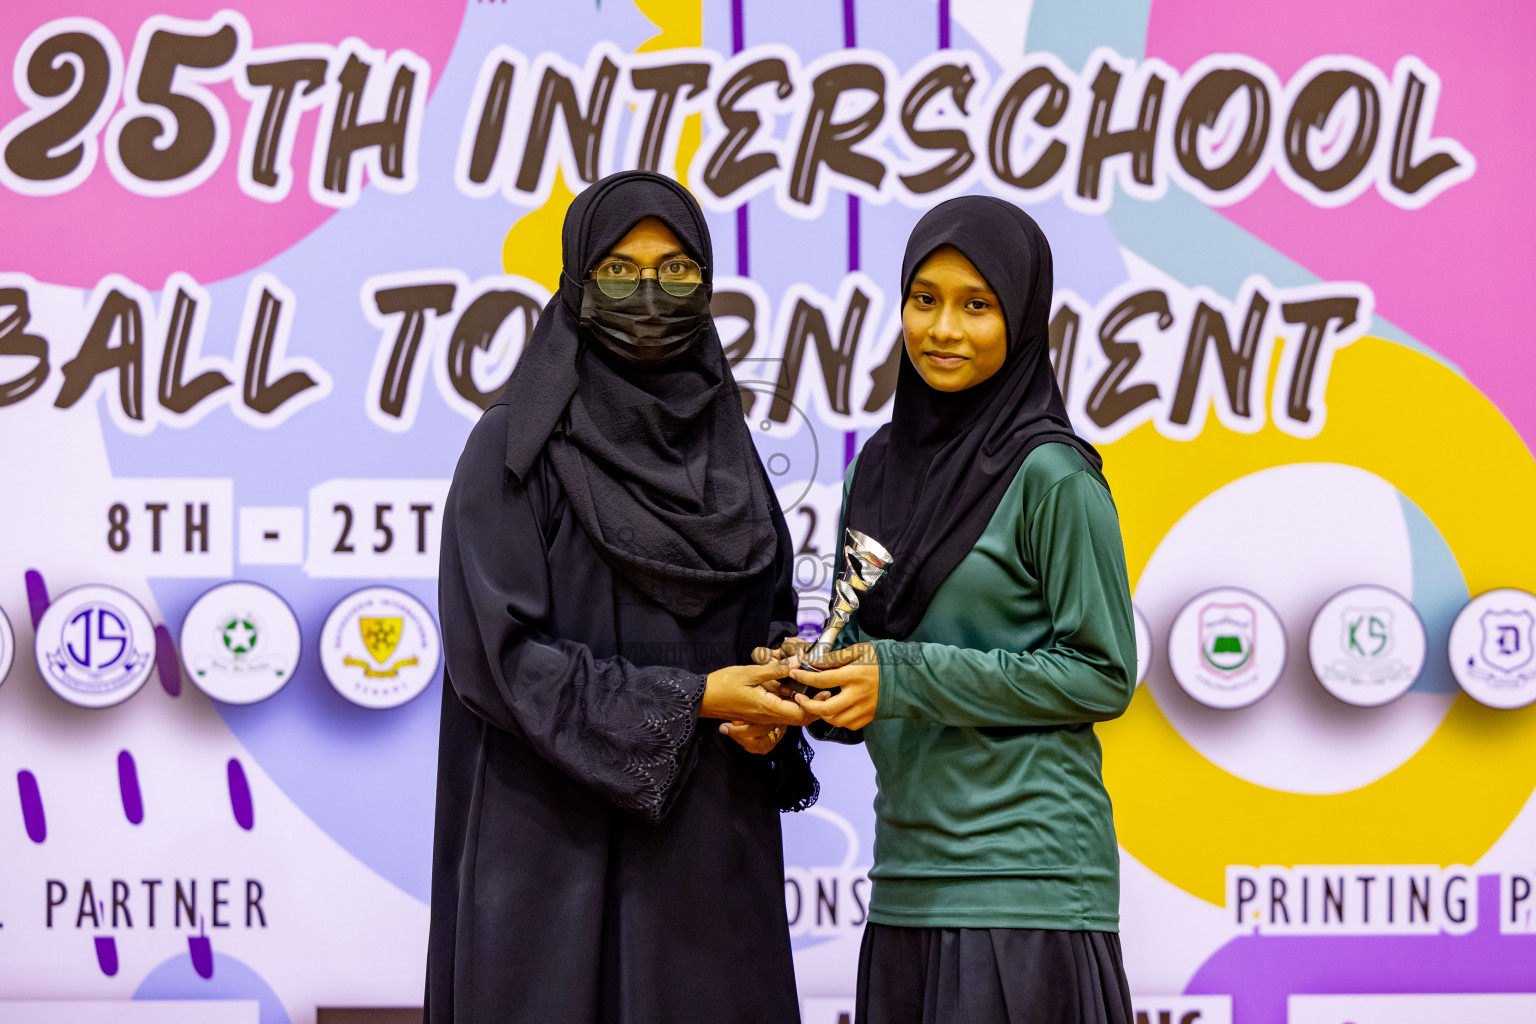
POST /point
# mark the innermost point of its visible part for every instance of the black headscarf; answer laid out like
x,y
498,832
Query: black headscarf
x,y
656,461
928,482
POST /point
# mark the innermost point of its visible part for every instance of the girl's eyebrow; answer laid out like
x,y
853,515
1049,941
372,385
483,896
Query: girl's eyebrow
x,y
984,289
626,256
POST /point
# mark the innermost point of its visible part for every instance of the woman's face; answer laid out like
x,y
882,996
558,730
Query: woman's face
x,y
952,323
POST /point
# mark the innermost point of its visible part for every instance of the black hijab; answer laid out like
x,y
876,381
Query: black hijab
x,y
656,461
928,482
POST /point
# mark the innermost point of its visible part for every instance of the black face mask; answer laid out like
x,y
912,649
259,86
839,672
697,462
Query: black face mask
x,y
649,327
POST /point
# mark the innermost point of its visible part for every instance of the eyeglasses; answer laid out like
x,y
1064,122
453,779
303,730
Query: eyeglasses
x,y
618,278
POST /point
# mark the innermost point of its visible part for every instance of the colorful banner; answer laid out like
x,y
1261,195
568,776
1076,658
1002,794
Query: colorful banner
x,y
264,265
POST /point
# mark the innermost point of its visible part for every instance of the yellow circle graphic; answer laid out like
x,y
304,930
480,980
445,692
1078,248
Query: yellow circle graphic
x,y
1438,440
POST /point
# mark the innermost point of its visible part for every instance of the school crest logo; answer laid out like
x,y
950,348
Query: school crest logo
x,y
1226,636
1367,646
95,646
1366,632
1227,648
1506,647
240,643
1492,654
380,647
240,634
381,636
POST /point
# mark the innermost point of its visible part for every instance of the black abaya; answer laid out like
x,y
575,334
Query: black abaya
x,y
609,539
601,856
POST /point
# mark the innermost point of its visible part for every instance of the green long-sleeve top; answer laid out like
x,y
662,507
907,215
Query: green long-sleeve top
x,y
991,808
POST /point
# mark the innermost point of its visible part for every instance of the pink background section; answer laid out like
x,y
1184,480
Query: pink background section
x,y
214,231
1456,274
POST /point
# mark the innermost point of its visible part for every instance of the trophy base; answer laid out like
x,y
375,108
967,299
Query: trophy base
x,y
828,733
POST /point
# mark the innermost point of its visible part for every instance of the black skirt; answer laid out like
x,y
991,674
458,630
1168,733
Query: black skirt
x,y
991,976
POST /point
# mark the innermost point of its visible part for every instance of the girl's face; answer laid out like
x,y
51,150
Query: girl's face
x,y
952,323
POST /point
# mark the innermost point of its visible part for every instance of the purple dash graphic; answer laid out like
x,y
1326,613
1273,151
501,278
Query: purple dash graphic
x,y
106,954
37,596
31,806
166,662
240,796
128,784
200,949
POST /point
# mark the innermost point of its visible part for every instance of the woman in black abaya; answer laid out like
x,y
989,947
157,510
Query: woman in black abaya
x,y
611,543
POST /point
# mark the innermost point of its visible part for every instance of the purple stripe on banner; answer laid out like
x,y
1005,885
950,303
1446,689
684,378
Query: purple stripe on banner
x,y
850,39
853,233
166,661
128,784
943,24
739,43
31,806
240,796
37,596
106,954
743,261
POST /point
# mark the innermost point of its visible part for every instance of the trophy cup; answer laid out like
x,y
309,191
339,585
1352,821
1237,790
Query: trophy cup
x,y
864,562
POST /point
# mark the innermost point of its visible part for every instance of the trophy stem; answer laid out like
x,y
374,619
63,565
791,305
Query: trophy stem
x,y
822,647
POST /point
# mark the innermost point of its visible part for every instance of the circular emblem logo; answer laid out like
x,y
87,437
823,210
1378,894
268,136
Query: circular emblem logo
x,y
95,646
379,647
1367,646
240,643
1491,648
7,646
1227,648
1143,644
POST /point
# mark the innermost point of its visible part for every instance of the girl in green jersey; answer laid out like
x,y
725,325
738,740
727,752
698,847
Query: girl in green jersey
x,y
975,669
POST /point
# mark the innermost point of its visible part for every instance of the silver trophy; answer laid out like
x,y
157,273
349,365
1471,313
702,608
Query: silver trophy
x,y
864,562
